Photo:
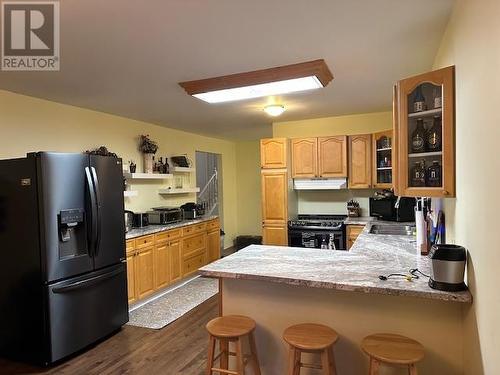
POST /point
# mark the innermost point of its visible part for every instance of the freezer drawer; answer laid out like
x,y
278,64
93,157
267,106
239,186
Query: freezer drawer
x,y
84,309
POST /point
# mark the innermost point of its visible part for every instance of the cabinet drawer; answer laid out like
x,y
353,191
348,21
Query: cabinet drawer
x,y
130,246
192,229
213,224
193,244
192,264
168,235
144,241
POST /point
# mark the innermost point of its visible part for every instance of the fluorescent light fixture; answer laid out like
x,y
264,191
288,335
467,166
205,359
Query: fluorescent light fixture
x,y
274,109
266,82
265,89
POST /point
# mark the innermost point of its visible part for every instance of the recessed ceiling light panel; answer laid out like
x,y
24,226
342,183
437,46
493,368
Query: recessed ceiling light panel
x,y
274,81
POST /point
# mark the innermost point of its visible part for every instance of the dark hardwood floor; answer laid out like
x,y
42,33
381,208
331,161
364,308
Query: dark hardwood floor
x,y
179,348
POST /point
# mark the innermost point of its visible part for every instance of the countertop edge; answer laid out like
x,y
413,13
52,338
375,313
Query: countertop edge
x,y
339,286
153,229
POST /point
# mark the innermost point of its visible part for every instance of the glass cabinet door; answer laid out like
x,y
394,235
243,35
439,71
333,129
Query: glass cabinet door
x,y
382,160
425,135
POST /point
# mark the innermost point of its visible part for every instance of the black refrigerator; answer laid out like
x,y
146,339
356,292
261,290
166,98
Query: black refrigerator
x,y
63,282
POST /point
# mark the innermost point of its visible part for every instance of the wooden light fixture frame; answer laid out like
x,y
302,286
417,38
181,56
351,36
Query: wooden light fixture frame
x,y
316,68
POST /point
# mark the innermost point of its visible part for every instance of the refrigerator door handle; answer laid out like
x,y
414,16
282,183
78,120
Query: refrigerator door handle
x,y
86,283
93,207
98,205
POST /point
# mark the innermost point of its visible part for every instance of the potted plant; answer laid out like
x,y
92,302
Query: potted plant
x,y
148,148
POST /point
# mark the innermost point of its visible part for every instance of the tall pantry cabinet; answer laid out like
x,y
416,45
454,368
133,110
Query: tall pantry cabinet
x,y
277,193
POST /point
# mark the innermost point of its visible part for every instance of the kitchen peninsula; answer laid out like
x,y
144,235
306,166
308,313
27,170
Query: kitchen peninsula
x,y
281,286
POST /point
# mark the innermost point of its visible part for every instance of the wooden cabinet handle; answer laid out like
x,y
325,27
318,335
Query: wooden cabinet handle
x,y
445,192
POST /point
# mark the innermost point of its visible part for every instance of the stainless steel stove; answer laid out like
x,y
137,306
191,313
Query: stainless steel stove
x,y
318,231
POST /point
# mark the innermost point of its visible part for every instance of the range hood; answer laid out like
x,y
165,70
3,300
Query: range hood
x,y
319,183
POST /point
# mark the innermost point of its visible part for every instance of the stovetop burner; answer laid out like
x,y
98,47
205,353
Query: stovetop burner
x,y
318,221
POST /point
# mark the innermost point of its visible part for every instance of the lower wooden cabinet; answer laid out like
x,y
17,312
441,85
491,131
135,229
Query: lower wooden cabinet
x,y
162,265
213,245
275,235
131,276
353,232
174,250
156,261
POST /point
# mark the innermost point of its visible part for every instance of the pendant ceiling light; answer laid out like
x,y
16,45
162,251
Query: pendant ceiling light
x,y
266,82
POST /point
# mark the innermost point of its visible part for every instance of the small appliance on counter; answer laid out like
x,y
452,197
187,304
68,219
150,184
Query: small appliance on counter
x,y
447,267
164,215
141,220
192,210
391,208
129,220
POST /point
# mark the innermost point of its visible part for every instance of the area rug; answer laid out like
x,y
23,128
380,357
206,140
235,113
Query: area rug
x,y
174,304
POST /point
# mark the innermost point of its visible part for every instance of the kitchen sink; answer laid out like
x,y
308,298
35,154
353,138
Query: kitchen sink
x,y
399,230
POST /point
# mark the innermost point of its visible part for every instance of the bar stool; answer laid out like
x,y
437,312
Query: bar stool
x,y
226,329
392,350
311,338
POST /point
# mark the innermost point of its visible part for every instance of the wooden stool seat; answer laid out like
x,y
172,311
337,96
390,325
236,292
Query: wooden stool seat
x,y
231,329
230,326
311,338
392,349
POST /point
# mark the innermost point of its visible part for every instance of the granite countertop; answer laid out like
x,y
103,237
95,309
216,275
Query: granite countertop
x,y
151,229
356,270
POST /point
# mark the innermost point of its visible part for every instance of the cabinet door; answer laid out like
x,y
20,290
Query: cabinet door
x,y
144,272
426,133
360,176
304,157
161,265
274,196
352,232
273,153
382,159
275,235
332,155
174,250
213,245
131,274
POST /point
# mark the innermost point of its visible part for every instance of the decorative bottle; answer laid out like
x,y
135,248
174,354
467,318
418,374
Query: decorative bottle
x,y
418,137
419,101
434,174
434,135
418,174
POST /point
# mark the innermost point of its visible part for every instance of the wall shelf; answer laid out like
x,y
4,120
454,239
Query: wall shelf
x,y
424,154
130,193
428,113
183,169
146,176
179,191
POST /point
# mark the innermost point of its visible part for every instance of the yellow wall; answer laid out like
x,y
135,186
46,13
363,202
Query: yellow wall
x,y
248,185
30,124
332,201
339,125
472,44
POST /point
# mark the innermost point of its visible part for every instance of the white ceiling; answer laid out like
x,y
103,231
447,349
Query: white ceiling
x,y
126,57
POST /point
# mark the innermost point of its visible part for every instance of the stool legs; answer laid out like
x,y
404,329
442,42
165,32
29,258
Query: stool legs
x,y
333,367
224,357
211,352
255,358
412,369
374,366
327,361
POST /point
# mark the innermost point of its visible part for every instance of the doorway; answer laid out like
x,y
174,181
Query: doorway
x,y
209,179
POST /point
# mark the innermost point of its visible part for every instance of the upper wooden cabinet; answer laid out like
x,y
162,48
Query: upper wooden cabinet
x,y
304,157
382,160
273,153
332,156
360,156
319,157
424,134
274,196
